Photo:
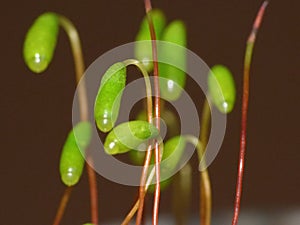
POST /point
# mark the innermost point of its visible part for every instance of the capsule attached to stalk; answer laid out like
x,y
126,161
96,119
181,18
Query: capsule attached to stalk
x,y
108,100
72,160
221,88
130,135
143,50
174,75
40,42
173,151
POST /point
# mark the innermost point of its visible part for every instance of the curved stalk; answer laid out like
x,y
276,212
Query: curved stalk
x,y
205,186
148,8
181,194
147,84
247,63
62,205
74,40
142,191
137,203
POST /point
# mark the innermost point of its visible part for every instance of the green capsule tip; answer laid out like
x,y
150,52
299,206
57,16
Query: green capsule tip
x,y
72,160
143,50
40,42
71,177
108,100
129,135
222,88
175,52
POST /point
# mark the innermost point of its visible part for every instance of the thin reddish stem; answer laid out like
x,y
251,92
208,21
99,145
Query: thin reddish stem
x,y
157,186
142,191
205,186
155,64
247,63
62,205
75,43
148,8
93,192
131,213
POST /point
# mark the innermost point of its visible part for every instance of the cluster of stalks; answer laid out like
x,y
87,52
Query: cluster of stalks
x,y
205,187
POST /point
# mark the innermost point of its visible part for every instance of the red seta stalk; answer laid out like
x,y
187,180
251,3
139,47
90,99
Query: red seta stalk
x,y
247,63
148,8
62,205
75,43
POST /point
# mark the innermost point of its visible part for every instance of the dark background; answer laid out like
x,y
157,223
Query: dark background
x,y
36,109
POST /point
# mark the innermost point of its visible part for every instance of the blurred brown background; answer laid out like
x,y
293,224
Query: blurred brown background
x,y
36,109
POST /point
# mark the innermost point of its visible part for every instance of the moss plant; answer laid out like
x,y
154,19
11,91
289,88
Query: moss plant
x,y
160,157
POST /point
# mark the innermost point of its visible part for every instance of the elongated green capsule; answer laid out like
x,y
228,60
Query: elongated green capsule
x,y
40,42
108,100
170,120
168,117
143,50
171,87
129,135
72,160
172,154
222,88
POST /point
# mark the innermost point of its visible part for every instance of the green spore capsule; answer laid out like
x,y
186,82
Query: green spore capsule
x,y
40,42
169,118
72,160
173,150
129,135
108,100
171,87
172,153
143,50
222,88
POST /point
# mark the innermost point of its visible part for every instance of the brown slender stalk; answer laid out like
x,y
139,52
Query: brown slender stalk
x,y
144,72
142,191
181,194
62,205
131,213
74,39
148,8
205,186
247,63
137,203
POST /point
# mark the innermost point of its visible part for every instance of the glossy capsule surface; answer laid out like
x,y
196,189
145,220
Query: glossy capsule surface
x,y
108,99
221,88
173,151
174,80
40,42
143,50
129,135
72,160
